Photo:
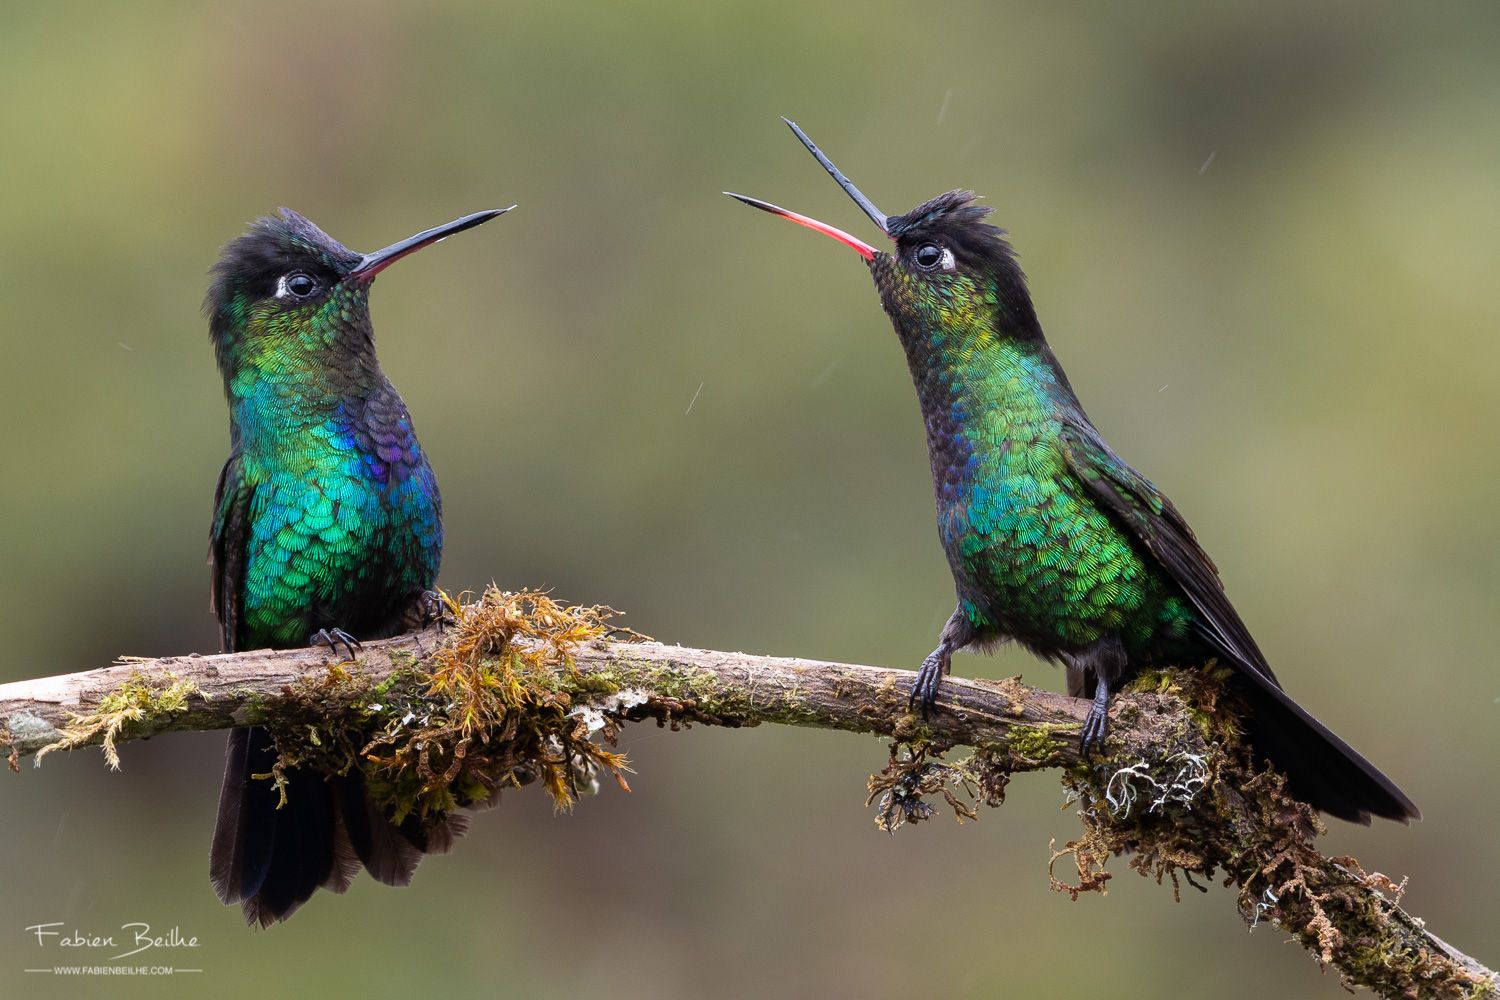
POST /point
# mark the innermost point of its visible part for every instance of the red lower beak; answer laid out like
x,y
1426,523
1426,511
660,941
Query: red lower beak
x,y
860,246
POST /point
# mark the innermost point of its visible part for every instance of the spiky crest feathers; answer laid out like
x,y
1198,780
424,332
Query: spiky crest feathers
x,y
954,220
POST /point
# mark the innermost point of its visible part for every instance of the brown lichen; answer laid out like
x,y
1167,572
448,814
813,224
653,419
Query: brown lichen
x,y
498,711
498,703
915,771
1196,806
1237,822
912,773
12,757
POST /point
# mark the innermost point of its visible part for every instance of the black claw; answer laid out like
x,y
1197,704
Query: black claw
x,y
331,637
924,690
1092,740
434,611
1095,724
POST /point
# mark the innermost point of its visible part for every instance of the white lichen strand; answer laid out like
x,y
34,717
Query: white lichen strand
x,y
1123,792
593,718
630,698
1268,901
615,703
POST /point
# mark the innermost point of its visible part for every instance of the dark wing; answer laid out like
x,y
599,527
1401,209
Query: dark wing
x,y
1157,525
226,550
1322,769
245,831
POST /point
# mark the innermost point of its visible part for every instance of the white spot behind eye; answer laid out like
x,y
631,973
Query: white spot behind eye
x,y
947,261
306,286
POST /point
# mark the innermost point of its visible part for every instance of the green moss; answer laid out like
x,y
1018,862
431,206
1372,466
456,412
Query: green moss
x,y
698,686
495,711
492,706
594,684
698,691
912,729
137,703
1035,744
1215,814
1208,700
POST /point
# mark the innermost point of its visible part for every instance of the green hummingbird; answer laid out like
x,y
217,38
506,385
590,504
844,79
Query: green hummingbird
x,y
1054,541
327,526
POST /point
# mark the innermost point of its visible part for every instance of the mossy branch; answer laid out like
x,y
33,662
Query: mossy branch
x,y
520,688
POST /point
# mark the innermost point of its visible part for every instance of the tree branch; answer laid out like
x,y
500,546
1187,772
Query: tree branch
x,y
1176,801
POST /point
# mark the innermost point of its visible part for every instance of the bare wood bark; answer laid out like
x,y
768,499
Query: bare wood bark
x,y
1001,718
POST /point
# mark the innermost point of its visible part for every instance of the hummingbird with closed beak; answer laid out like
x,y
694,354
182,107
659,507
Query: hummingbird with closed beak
x,y
327,529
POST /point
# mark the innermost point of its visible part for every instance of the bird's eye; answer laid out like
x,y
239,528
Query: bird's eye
x,y
928,256
299,285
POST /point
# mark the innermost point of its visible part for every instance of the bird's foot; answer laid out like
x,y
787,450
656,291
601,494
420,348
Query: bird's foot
x,y
924,690
1096,723
332,637
433,610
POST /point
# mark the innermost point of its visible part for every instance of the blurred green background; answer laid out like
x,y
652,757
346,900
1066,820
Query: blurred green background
x,y
1262,238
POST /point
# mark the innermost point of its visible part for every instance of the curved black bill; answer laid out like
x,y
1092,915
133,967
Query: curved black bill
x,y
373,263
866,205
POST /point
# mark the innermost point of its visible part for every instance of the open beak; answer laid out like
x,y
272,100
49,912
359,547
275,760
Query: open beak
x,y
373,263
860,246
866,205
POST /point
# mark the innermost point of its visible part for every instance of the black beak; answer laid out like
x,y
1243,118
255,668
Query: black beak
x,y
373,263
865,204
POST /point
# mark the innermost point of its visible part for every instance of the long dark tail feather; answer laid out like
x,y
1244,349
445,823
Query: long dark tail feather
x,y
1321,769
388,856
271,860
435,837
245,831
302,858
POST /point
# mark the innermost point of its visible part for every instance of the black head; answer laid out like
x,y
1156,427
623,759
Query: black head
x,y
950,232
286,278
948,236
944,253
282,257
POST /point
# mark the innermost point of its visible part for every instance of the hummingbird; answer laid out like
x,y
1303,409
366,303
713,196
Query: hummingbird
x,y
1054,542
327,529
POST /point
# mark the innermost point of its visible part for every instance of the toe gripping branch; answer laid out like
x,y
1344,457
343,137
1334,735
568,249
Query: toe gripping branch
x,y
1096,724
935,667
332,638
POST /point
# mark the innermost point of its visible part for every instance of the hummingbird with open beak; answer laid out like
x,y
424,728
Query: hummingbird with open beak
x,y
1054,541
